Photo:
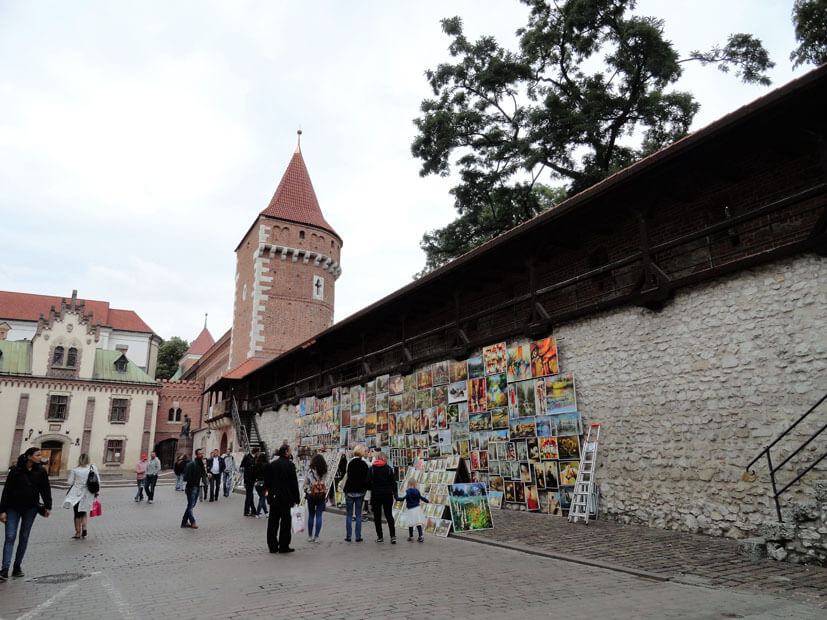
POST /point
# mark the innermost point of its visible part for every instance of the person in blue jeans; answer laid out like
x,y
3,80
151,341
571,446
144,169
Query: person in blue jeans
x,y
194,475
356,485
26,484
315,497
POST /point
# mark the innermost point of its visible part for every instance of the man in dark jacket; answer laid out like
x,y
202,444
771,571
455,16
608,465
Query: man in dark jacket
x,y
215,470
283,493
248,469
194,476
383,492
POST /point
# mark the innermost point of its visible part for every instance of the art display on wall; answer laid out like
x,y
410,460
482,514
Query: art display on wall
x,y
469,507
507,409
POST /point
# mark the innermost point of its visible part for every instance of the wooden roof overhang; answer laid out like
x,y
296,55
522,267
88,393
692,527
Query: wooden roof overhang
x,y
745,190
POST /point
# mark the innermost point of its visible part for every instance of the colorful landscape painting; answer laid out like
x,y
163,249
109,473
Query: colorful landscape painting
x,y
560,396
441,373
497,391
544,357
469,507
518,364
458,371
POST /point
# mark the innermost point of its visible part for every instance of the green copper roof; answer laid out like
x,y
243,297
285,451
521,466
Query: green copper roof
x,y
105,369
15,356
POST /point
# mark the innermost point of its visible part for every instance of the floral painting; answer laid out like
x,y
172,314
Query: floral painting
x,y
494,358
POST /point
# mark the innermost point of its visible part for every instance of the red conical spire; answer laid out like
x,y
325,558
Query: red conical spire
x,y
295,199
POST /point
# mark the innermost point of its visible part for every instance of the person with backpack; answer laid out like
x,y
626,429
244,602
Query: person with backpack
x,y
84,481
178,469
315,492
261,463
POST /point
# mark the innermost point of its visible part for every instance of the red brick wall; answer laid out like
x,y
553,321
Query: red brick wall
x,y
188,396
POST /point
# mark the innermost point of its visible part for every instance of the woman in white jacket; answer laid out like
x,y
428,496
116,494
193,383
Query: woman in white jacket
x,y
79,497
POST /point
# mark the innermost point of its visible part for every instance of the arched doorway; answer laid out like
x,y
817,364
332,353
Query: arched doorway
x,y
52,450
223,442
166,451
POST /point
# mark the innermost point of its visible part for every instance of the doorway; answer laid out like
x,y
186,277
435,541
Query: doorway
x,y
52,450
166,452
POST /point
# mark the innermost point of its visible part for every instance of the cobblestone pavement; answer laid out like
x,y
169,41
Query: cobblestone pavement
x,y
138,562
689,558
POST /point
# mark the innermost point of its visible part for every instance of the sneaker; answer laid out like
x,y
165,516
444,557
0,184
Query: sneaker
x,y
359,540
309,539
421,539
4,574
380,540
258,516
17,572
316,540
347,539
149,501
393,540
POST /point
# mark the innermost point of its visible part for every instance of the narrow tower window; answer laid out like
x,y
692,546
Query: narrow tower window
x,y
318,287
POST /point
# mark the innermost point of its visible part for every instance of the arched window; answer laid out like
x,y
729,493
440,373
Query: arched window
x,y
171,415
72,357
301,234
178,415
57,359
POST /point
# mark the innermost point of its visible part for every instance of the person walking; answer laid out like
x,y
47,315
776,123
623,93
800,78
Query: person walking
x,y
414,515
194,476
140,476
315,492
178,469
153,468
356,485
261,464
205,481
283,490
248,469
229,470
215,471
25,483
79,498
383,491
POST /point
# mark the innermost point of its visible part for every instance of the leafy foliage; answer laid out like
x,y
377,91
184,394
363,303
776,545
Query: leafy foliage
x,y
810,22
169,354
586,94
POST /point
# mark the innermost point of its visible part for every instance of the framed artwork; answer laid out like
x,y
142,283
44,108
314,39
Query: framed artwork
x,y
494,358
568,447
499,417
475,459
345,417
395,403
567,424
431,524
452,413
457,371
495,499
566,497
460,431
514,466
548,448
560,397
370,424
396,385
423,399
442,528
500,434
525,472
458,392
444,436
409,401
523,427
544,427
439,396
508,491
382,401
440,373
544,357
493,466
554,507
524,398
540,396
382,422
480,421
532,500
460,448
424,379
518,363
416,422
441,417
533,449
510,451
355,396
424,419
519,492
391,424
408,383
522,450
477,398
497,391
483,460
370,404
568,472
476,368
539,474
381,384
370,388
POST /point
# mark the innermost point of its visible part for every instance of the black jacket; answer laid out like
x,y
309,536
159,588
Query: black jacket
x,y
195,474
221,465
357,476
382,480
281,482
248,464
24,487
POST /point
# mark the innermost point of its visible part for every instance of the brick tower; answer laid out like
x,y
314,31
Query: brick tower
x,y
286,268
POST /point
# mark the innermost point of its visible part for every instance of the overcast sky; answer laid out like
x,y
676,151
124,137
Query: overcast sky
x,y
140,140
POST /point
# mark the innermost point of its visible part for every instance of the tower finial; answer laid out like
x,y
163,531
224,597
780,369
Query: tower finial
x,y
299,145
205,320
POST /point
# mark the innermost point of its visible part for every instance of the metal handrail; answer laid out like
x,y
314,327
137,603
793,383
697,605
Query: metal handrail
x,y
776,493
239,428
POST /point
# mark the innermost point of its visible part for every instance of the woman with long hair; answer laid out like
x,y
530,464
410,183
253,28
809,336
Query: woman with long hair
x,y
356,486
26,484
79,497
260,463
316,494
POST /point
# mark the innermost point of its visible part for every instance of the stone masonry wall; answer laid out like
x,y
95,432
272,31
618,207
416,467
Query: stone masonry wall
x,y
276,426
689,395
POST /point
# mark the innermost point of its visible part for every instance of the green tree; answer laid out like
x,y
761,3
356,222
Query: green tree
x,y
587,93
810,23
169,354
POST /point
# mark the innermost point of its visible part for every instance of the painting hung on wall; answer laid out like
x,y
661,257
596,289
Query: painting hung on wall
x,y
457,371
408,383
522,450
523,427
499,417
518,363
521,399
525,472
382,383
423,399
391,424
439,396
424,379
560,396
441,375
458,392
544,426
544,357
568,447
548,448
554,507
497,391
396,385
508,491
533,449
539,474
494,358
476,368
395,403
567,424
495,499
370,388
477,397
519,492
532,500
568,472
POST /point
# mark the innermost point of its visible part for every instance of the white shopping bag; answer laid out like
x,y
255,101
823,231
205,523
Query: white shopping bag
x,y
297,518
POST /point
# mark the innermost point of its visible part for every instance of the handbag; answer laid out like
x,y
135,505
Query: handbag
x,y
96,509
297,519
93,484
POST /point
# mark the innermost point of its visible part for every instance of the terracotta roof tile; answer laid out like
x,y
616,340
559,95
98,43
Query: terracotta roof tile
x,y
295,199
246,367
28,307
201,344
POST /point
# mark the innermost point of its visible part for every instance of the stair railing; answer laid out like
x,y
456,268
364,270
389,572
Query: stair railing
x,y
773,469
240,431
